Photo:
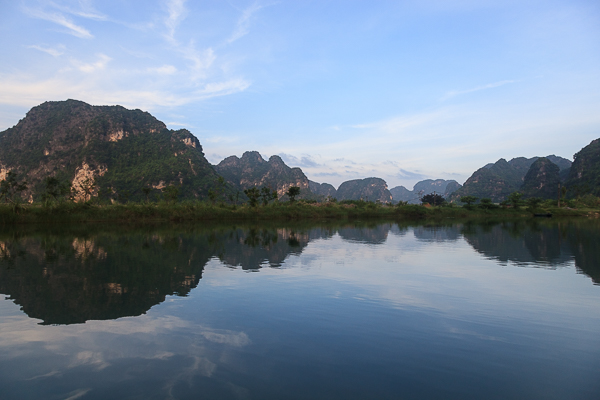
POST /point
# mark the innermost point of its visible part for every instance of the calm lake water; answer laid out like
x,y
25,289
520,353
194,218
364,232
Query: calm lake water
x,y
501,310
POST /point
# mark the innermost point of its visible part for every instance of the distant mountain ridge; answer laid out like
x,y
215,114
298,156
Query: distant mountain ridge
x,y
126,153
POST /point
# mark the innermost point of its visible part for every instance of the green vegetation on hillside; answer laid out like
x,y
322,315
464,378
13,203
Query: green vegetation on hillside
x,y
534,177
125,154
584,176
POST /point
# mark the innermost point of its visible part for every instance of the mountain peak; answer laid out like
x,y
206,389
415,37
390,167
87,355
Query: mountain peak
x,y
252,156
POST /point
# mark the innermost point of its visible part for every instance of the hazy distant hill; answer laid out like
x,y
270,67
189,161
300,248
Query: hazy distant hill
x,y
322,189
400,193
440,186
122,150
252,170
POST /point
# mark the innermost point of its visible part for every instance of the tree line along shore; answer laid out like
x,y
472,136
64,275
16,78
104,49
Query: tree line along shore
x,y
64,211
61,203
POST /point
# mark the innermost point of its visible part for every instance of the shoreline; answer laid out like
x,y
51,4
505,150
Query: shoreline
x,y
195,211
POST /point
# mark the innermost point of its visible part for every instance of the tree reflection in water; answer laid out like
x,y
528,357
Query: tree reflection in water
x,y
72,275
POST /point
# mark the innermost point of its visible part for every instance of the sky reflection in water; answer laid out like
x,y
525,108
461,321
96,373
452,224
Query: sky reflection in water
x,y
501,310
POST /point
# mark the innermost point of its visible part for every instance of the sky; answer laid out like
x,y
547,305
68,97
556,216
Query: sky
x,y
344,89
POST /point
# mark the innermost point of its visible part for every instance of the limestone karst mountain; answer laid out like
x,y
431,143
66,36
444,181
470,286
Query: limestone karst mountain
x,y
400,193
368,189
584,175
497,181
322,189
119,151
542,180
252,170
119,154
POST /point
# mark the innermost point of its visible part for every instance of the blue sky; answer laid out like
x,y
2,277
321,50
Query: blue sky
x,y
346,89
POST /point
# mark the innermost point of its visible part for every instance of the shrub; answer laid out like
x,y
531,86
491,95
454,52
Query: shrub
x,y
434,199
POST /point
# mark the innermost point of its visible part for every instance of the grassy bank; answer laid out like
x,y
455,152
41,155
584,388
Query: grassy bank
x,y
201,211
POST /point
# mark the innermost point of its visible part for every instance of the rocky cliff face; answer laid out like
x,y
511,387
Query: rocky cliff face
x,y
584,176
368,189
542,179
252,170
120,151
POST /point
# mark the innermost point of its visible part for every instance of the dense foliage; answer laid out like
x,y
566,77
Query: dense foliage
x,y
497,181
584,176
433,199
542,180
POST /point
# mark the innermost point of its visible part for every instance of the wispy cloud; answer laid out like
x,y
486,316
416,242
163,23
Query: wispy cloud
x,y
55,52
343,160
305,161
86,10
396,125
201,60
76,394
62,20
405,174
22,90
222,88
174,123
243,24
176,13
100,64
326,174
476,89
164,70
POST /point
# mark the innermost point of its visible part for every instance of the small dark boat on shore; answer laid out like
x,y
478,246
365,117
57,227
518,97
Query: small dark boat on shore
x,y
547,215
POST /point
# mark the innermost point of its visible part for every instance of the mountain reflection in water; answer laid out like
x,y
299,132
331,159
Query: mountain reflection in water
x,y
70,276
